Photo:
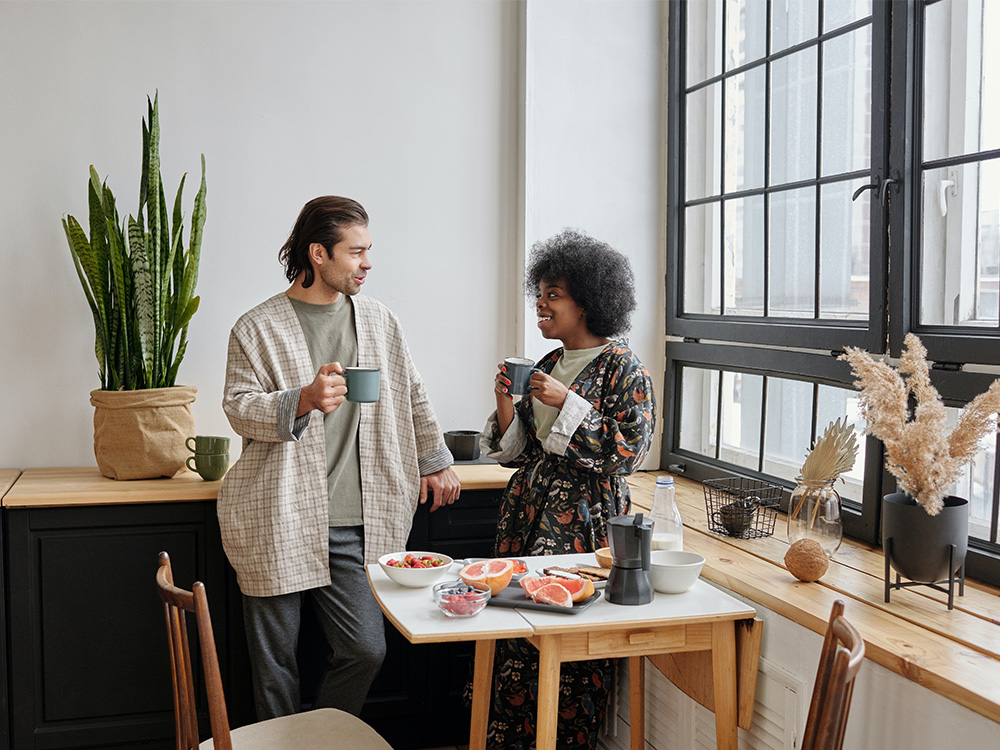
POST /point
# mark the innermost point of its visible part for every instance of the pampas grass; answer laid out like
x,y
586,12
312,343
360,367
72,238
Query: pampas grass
x,y
921,452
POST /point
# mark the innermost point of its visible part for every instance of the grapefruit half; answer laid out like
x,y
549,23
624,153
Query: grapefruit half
x,y
494,573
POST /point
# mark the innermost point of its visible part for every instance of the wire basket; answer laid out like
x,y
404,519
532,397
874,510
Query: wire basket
x,y
740,507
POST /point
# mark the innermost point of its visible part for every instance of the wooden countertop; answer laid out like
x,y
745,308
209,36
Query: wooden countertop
x,y
76,486
7,479
66,487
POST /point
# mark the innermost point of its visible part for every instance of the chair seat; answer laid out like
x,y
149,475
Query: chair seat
x,y
326,728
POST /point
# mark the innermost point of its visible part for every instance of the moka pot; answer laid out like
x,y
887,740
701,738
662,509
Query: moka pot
x,y
630,539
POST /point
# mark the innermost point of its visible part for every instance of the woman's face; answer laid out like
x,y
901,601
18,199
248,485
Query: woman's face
x,y
559,317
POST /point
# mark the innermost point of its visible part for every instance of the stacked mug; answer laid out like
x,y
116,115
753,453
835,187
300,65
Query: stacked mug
x,y
211,456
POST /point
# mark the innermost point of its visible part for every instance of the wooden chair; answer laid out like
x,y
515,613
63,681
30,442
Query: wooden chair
x,y
839,663
322,728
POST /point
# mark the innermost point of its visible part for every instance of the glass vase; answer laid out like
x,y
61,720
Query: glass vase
x,y
814,513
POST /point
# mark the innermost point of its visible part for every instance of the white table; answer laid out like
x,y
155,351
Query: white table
x,y
702,619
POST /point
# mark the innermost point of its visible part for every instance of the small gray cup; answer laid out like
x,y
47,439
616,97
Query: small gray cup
x,y
519,372
362,384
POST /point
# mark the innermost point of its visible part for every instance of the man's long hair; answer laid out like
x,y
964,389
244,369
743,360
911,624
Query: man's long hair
x,y
321,220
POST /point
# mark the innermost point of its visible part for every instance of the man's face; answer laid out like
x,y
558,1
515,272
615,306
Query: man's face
x,y
345,272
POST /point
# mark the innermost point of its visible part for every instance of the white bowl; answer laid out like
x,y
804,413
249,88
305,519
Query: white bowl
x,y
414,578
674,571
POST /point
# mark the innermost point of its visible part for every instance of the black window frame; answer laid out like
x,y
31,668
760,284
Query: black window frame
x,y
806,350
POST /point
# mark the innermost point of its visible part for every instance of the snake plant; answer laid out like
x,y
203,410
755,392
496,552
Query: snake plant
x,y
137,275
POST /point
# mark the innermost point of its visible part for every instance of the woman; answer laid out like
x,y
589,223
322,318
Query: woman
x,y
585,426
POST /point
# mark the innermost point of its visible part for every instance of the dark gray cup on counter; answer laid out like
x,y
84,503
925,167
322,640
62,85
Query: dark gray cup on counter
x,y
519,370
463,444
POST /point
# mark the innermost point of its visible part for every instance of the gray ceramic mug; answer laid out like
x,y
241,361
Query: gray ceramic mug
x,y
362,384
519,371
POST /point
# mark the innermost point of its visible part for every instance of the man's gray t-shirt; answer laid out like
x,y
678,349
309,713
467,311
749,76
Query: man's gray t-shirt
x,y
332,336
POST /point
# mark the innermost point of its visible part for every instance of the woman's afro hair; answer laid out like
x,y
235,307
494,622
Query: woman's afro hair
x,y
597,277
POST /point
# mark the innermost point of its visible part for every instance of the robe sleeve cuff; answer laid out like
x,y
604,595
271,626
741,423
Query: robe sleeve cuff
x,y
434,462
290,427
571,416
510,445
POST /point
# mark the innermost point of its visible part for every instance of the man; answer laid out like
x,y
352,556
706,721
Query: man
x,y
323,485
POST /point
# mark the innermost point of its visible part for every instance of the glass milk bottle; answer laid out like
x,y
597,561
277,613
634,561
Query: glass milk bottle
x,y
668,530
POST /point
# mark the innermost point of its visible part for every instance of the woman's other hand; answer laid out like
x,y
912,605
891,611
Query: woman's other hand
x,y
505,401
547,389
501,384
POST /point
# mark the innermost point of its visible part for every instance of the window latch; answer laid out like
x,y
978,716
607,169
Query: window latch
x,y
881,185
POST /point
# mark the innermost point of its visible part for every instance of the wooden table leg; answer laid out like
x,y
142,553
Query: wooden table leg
x,y
482,684
724,679
549,658
636,702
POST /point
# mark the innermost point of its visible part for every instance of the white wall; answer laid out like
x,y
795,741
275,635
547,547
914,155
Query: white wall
x,y
468,128
595,138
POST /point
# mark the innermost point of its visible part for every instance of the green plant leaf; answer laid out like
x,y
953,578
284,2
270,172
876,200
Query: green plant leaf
x,y
144,307
80,247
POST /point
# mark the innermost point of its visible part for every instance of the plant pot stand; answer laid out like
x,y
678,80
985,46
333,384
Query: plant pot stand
x,y
936,585
926,550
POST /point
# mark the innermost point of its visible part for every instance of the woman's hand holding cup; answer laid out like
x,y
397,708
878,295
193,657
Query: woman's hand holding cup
x,y
547,389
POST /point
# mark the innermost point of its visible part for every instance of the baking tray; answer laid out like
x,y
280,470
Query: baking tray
x,y
514,596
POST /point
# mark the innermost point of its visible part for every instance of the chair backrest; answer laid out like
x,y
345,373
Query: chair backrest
x,y
839,663
176,603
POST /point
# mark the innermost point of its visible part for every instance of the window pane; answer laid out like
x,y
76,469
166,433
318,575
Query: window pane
x,y
746,31
793,117
744,145
744,256
960,245
703,154
792,23
741,405
704,40
837,13
702,254
847,79
961,83
990,129
788,426
833,404
976,483
699,410
844,253
792,253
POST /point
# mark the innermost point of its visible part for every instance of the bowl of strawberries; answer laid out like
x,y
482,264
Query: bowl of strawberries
x,y
415,570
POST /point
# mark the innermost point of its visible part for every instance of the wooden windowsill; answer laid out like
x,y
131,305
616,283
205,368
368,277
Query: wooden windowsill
x,y
954,653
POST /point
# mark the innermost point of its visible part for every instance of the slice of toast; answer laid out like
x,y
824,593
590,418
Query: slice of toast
x,y
591,573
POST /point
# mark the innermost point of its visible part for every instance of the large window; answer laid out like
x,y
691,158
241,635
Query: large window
x,y
835,181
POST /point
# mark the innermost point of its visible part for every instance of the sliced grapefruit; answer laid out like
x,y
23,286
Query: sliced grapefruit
x,y
531,584
554,593
494,573
579,588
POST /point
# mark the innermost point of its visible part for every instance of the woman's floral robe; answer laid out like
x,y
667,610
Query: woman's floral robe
x,y
557,504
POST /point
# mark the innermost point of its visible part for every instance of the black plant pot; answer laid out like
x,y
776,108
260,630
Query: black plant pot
x,y
920,547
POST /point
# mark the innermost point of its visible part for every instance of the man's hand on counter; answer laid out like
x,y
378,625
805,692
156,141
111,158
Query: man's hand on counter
x,y
444,485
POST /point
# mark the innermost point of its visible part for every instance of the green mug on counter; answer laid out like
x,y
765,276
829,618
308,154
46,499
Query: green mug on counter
x,y
208,444
211,466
